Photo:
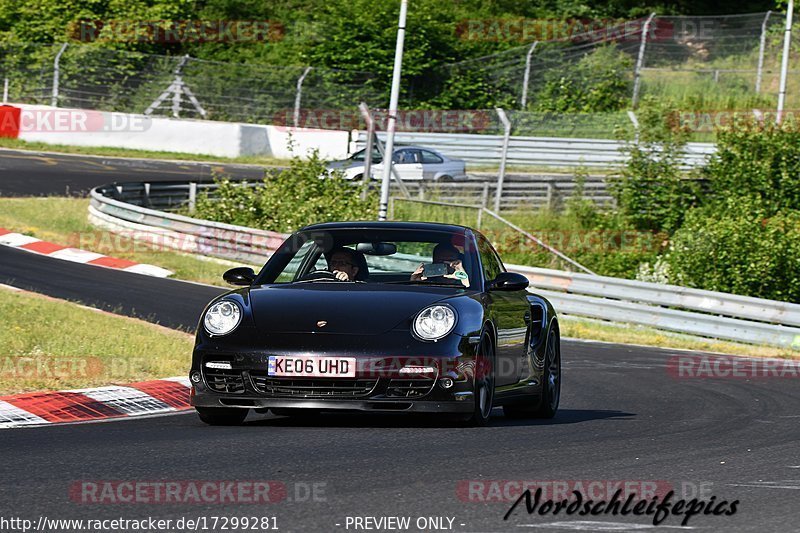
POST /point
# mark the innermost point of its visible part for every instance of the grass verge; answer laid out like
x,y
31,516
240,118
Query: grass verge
x,y
48,344
65,221
110,151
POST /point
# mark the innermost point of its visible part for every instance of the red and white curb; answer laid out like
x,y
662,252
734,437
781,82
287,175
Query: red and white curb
x,y
76,255
84,405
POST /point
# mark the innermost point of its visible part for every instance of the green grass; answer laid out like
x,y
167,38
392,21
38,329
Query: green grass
x,y
142,154
65,221
48,344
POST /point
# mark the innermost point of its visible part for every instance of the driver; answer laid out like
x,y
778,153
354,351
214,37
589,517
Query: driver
x,y
343,263
449,255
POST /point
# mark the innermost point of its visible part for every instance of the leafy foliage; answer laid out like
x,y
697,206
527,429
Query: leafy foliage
x,y
599,82
758,159
739,246
652,191
289,199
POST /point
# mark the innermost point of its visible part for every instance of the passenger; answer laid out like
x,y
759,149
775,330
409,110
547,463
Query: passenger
x,y
450,256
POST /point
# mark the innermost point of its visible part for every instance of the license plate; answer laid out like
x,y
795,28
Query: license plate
x,y
312,367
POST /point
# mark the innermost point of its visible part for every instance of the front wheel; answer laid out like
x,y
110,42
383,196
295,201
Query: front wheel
x,y
222,416
484,383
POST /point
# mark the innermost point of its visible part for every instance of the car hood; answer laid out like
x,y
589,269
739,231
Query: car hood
x,y
346,308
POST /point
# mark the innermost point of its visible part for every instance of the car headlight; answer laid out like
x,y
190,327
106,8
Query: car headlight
x,y
222,317
435,322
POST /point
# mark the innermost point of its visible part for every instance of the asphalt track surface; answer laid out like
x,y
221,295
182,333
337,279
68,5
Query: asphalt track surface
x,y
25,173
623,417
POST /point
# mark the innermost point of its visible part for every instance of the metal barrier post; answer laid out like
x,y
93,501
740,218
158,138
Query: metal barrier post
x,y
56,74
503,156
761,48
367,176
637,73
527,76
192,196
299,95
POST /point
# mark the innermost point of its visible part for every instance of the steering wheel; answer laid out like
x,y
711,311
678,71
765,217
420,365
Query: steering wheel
x,y
319,274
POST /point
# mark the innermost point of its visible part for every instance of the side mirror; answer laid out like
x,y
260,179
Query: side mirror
x,y
239,276
509,281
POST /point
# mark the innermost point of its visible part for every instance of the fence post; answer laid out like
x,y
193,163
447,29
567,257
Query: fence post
x,y
787,39
551,195
56,73
527,77
637,74
366,178
192,196
484,203
299,95
761,48
503,156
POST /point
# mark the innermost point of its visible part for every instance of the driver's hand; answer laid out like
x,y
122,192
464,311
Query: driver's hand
x,y
341,276
417,274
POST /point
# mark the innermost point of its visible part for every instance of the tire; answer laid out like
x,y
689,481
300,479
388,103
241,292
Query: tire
x,y
546,405
445,179
484,383
222,416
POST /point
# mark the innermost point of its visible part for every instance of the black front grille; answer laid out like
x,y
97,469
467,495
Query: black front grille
x,y
312,387
409,388
230,381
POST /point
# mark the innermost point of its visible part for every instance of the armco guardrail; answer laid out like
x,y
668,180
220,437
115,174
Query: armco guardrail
x,y
178,232
533,151
668,307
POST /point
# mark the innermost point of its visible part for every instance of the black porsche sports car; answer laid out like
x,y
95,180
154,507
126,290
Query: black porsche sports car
x,y
378,316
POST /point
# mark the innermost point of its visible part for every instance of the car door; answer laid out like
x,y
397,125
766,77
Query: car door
x,y
511,313
432,164
408,163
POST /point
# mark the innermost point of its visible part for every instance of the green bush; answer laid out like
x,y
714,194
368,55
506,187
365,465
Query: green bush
x,y
758,159
652,191
739,246
289,199
599,82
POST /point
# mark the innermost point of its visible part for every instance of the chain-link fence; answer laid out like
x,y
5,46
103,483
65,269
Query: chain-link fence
x,y
90,77
579,84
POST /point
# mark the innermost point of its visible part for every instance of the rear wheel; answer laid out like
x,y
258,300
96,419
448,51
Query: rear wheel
x,y
484,382
222,416
547,404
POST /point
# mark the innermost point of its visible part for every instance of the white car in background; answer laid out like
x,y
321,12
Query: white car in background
x,y
411,162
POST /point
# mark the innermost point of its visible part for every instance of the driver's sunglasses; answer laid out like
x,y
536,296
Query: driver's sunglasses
x,y
342,263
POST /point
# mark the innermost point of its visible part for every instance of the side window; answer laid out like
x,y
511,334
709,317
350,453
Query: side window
x,y
431,158
492,265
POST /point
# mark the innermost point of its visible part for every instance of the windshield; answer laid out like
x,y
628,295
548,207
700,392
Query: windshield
x,y
386,256
361,155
